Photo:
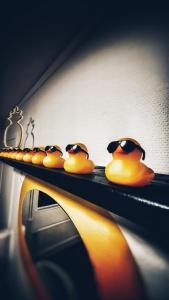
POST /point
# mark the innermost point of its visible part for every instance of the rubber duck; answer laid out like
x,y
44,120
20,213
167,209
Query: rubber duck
x,y
78,161
14,153
20,155
53,158
3,152
9,152
126,168
29,153
18,150
39,155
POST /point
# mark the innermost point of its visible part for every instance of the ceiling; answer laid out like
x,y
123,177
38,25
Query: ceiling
x,y
34,33
32,37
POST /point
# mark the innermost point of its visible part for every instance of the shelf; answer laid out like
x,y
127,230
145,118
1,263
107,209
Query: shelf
x,y
147,206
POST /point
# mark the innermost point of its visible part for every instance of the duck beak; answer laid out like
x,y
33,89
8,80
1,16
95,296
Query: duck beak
x,y
119,150
71,150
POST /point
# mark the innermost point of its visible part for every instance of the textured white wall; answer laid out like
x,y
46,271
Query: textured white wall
x,y
109,89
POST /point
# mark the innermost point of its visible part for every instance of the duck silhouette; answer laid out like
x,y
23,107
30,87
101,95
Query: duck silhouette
x,y
126,168
53,158
78,161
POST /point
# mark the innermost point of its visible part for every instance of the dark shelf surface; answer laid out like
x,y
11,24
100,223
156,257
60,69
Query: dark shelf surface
x,y
148,206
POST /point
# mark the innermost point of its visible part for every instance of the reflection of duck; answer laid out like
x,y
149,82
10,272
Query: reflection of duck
x,y
126,168
39,155
78,161
53,158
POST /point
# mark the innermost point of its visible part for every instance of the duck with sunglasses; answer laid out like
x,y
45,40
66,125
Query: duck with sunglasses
x,y
39,155
126,168
54,157
78,160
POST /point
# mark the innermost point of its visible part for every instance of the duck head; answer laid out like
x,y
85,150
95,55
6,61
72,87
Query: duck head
x,y
53,149
77,148
126,148
38,149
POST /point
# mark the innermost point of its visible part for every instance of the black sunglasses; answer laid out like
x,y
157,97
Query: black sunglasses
x,y
76,148
36,149
53,149
26,150
127,146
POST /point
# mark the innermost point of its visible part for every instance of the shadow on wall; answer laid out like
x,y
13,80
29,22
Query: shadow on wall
x,y
29,134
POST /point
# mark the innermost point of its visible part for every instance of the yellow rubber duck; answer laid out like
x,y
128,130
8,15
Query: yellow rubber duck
x,y
20,155
78,161
39,155
53,158
8,152
5,153
1,152
126,168
29,153
14,154
11,150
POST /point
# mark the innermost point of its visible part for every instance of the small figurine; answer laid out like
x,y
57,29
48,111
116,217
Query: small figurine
x,y
4,152
14,154
39,155
78,161
126,168
20,155
28,155
11,150
53,158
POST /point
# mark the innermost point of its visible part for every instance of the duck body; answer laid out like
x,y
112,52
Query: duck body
x,y
128,172
53,160
78,164
38,157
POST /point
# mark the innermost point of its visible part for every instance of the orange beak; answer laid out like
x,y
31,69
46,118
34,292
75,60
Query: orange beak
x,y
119,150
